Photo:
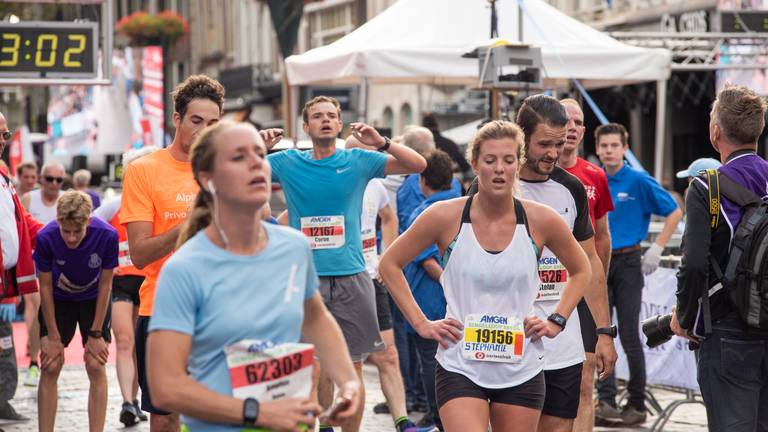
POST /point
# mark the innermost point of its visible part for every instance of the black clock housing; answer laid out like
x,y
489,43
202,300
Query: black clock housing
x,y
39,49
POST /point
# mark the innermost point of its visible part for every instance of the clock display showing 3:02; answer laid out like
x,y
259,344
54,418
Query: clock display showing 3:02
x,y
48,49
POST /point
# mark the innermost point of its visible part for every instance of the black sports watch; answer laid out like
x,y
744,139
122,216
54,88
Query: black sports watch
x,y
610,331
558,319
250,411
387,143
96,334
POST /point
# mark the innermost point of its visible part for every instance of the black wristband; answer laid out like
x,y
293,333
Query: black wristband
x,y
96,334
387,143
250,411
608,331
558,319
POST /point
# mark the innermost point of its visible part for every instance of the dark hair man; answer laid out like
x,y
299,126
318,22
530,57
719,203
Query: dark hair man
x,y
157,192
733,358
636,196
544,121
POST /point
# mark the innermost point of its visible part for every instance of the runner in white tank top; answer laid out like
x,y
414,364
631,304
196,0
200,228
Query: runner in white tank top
x,y
491,354
37,208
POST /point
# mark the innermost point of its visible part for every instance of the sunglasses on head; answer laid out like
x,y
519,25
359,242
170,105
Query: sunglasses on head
x,y
52,179
7,135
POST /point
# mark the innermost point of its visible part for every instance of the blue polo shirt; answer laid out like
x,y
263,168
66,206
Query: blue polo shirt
x,y
409,196
319,193
636,196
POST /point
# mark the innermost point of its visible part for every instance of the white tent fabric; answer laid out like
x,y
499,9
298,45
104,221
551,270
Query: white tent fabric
x,y
423,40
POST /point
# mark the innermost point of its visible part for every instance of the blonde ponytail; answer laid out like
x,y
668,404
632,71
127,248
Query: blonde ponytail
x,y
200,216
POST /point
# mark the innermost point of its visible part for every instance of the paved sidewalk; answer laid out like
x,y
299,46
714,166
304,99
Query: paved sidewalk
x,y
73,407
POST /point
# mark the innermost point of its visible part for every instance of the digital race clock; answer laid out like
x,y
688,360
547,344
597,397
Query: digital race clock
x,y
48,50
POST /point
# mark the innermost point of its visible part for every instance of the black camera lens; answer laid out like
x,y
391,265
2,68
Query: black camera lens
x,y
658,330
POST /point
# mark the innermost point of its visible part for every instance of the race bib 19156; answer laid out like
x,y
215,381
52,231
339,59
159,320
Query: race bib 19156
x,y
493,338
554,278
324,232
264,371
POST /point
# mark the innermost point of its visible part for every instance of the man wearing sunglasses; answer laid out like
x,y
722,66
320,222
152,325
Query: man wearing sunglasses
x,y
41,203
17,276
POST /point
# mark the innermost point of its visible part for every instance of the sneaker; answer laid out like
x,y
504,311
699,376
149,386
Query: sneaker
x,y
141,414
381,408
409,426
606,414
128,415
631,416
417,407
33,376
8,413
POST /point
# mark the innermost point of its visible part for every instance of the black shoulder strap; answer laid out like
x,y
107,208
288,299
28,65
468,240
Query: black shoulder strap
x,y
713,187
465,213
522,218
737,193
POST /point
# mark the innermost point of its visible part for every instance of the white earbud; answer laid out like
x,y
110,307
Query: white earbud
x,y
211,189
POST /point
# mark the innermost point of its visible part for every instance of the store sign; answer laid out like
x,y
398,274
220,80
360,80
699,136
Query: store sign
x,y
742,21
689,22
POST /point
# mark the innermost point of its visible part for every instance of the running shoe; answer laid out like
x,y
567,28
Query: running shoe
x,y
409,426
8,413
606,414
631,416
33,376
141,414
381,408
128,415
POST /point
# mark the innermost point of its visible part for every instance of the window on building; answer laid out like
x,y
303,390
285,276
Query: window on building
x,y
331,23
388,118
406,115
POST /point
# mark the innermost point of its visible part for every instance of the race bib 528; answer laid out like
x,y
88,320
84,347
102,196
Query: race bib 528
x,y
553,276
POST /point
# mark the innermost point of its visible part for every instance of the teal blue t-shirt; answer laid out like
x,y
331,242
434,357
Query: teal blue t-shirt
x,y
220,298
319,193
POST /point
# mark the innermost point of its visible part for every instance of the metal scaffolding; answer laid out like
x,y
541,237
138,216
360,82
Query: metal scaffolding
x,y
705,51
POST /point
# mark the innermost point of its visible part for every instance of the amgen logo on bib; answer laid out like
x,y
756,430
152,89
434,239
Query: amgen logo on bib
x,y
548,260
495,319
320,219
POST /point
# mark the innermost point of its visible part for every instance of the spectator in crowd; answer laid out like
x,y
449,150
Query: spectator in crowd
x,y
26,175
41,203
17,239
81,179
447,145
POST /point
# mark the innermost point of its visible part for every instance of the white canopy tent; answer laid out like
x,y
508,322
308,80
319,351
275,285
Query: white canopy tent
x,y
422,41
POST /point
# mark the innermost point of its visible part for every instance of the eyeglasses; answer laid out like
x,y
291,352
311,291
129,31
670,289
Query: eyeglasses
x,y
7,135
51,179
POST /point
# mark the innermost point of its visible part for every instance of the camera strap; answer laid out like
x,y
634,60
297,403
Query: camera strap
x,y
713,183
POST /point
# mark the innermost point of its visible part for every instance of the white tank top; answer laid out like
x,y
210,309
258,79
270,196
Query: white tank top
x,y
40,211
495,292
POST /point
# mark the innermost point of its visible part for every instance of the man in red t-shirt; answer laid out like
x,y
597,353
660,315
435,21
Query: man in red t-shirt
x,y
600,203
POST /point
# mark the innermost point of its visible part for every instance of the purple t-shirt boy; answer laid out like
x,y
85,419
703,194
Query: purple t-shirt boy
x,y
76,272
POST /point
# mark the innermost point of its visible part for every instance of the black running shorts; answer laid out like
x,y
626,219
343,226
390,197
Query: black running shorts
x,y
563,391
70,314
452,385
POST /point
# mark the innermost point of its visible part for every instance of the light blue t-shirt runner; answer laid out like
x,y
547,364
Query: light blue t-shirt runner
x,y
220,298
325,199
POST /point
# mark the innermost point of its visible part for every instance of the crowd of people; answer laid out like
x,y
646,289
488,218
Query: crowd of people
x,y
484,307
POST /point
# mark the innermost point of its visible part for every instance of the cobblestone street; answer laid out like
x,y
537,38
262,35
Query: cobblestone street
x,y
73,400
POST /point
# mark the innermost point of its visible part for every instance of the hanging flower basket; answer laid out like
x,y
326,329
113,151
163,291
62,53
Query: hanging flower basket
x,y
144,29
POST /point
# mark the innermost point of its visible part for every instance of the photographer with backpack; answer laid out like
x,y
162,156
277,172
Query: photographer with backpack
x,y
722,295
